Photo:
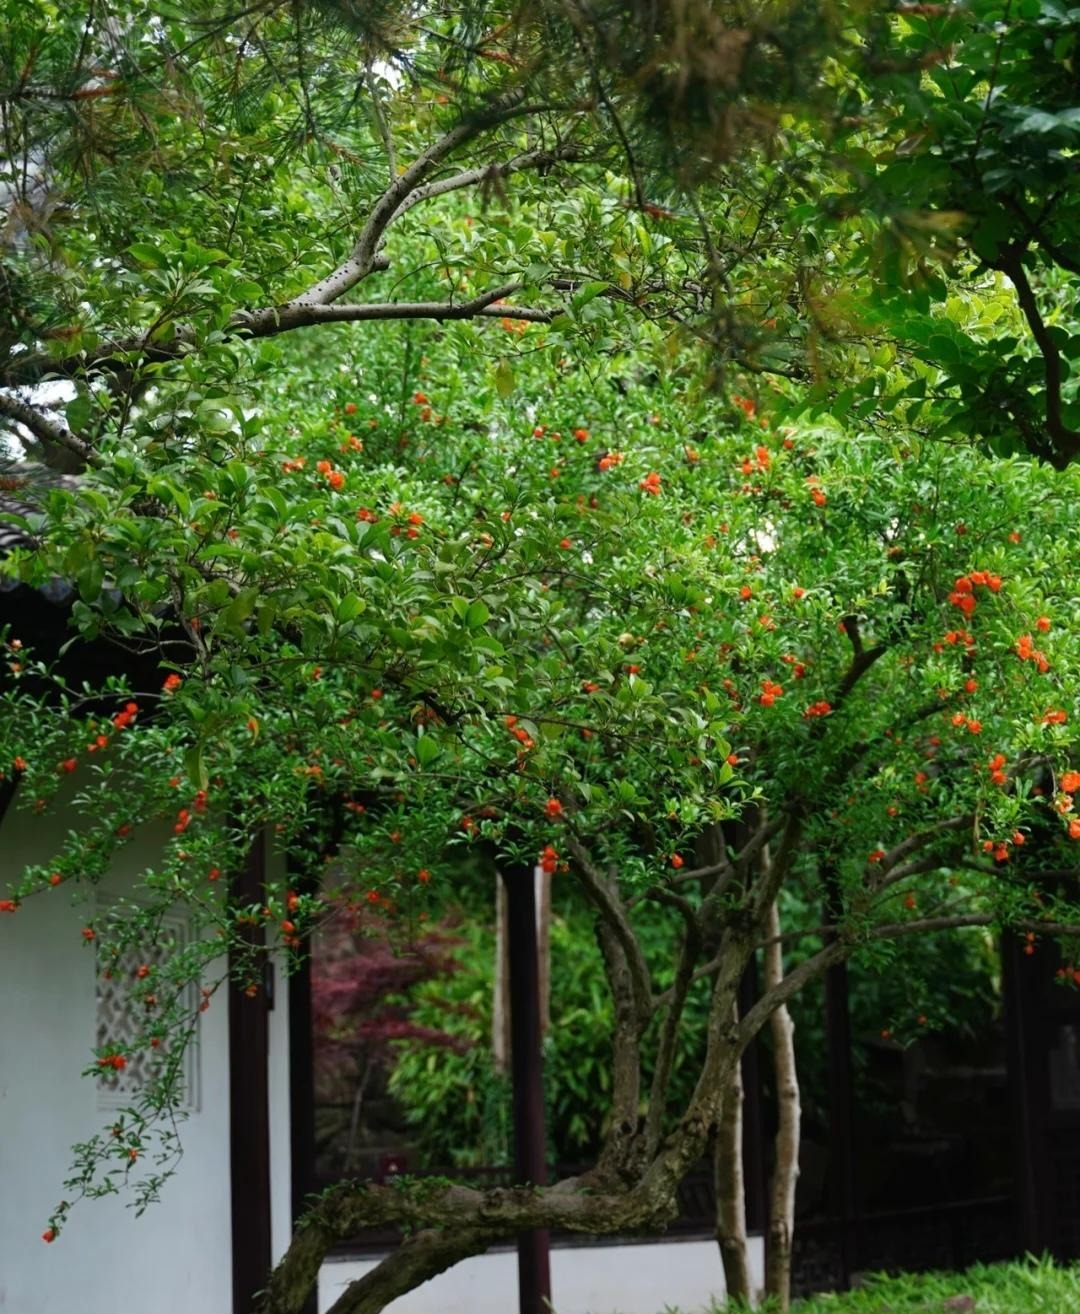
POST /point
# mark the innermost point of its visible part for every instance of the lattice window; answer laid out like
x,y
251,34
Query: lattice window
x,y
119,1022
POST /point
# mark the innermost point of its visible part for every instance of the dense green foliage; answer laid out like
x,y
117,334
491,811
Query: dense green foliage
x,y
456,1101
683,536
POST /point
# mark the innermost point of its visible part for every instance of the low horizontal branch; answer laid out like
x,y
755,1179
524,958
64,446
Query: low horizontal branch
x,y
121,353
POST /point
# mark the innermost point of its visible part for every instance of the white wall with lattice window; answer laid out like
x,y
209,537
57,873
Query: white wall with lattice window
x,y
176,1257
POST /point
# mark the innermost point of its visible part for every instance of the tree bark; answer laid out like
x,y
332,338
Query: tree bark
x,y
785,1174
730,1183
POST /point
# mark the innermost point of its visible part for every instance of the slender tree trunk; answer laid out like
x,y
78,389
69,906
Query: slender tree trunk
x,y
786,1172
728,1177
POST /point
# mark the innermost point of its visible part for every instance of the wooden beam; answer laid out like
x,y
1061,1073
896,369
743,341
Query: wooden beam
x,y
249,1099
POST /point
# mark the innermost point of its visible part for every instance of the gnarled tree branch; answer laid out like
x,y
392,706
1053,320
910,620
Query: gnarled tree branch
x,y
1066,441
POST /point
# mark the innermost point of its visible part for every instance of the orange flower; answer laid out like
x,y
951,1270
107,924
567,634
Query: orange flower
x,y
770,692
651,484
553,808
677,861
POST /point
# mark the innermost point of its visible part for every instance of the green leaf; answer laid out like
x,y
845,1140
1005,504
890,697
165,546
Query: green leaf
x,y
147,254
240,608
78,412
195,765
350,607
504,379
589,292
427,750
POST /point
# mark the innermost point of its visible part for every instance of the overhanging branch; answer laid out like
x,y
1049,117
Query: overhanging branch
x,y
44,428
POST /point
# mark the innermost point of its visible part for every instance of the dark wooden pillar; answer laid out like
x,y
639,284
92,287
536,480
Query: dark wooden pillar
x,y
249,1100
841,1112
1024,1066
534,1263
8,787
841,1097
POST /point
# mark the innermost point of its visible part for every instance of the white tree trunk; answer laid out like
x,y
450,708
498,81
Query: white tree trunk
x,y
786,1172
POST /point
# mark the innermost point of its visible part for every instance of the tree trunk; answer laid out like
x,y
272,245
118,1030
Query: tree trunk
x,y
730,1186
786,1172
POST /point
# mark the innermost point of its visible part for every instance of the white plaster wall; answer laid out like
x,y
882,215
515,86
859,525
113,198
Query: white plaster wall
x,y
176,1258
645,1278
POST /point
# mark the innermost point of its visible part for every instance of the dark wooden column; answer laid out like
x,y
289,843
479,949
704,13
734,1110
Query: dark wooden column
x,y
249,1101
841,1097
534,1263
1025,1068
8,786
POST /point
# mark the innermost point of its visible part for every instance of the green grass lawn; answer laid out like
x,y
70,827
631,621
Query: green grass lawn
x,y
1001,1289
1022,1288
